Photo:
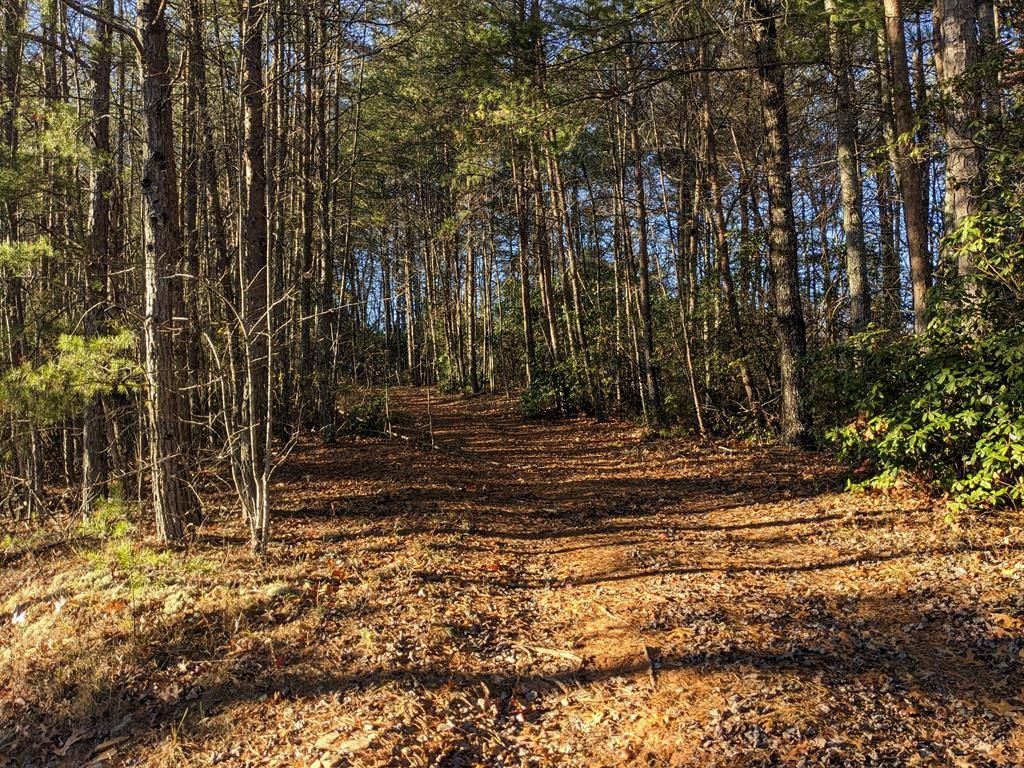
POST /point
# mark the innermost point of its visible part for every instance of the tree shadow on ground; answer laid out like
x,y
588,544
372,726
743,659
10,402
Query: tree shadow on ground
x,y
948,656
186,664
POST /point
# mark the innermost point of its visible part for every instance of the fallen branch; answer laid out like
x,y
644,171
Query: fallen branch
x,y
557,653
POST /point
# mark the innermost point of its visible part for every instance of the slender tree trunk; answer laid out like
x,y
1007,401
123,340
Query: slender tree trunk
x,y
220,271
524,269
174,500
782,242
471,276
255,308
410,310
922,119
572,282
684,237
908,169
542,244
307,277
885,192
987,37
722,246
849,173
94,469
643,267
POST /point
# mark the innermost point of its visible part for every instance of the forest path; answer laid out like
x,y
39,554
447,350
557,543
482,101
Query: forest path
x,y
618,600
530,594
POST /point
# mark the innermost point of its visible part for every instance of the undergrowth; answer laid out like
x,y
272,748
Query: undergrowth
x,y
362,413
946,407
560,390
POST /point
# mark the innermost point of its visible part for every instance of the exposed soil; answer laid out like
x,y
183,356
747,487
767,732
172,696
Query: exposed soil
x,y
536,594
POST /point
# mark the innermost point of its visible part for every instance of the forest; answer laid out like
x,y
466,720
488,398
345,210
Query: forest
x,y
511,382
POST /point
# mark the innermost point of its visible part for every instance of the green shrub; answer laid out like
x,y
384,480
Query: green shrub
x,y
72,374
947,406
109,521
362,413
557,391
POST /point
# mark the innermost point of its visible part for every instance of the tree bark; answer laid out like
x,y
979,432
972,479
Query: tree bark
x,y
782,242
908,169
987,36
174,501
956,47
892,286
254,309
650,383
526,305
94,469
849,173
722,243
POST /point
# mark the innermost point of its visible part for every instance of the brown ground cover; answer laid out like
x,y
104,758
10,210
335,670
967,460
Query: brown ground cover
x,y
527,593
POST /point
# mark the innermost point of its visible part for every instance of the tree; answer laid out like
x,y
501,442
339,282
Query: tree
x,y
174,500
849,171
788,318
94,470
650,212
252,378
957,53
908,168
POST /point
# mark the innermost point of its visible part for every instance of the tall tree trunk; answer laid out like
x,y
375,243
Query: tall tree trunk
x,y
782,242
221,266
849,173
94,470
255,316
307,277
956,47
892,287
685,242
572,282
526,305
908,169
542,244
174,501
722,243
643,267
987,37
410,308
922,118
474,380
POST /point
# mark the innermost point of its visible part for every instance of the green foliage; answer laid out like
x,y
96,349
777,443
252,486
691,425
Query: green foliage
x,y
560,390
947,406
46,130
109,521
121,556
446,370
362,413
991,238
80,370
19,255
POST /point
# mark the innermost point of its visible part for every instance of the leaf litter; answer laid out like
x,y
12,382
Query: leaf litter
x,y
534,594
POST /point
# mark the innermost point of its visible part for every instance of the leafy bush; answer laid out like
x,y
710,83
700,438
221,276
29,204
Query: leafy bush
x,y
947,406
362,413
109,521
557,391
